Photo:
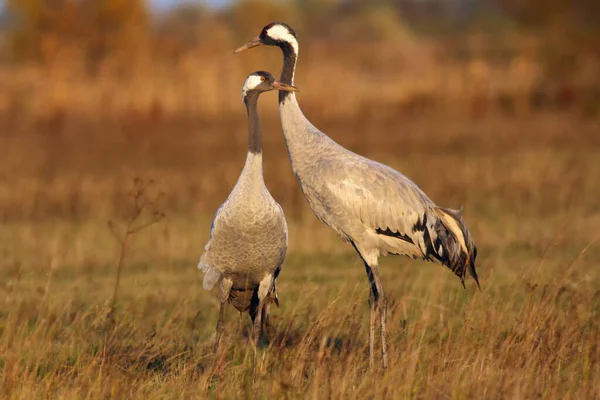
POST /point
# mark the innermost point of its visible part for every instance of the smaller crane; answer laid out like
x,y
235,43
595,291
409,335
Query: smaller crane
x,y
249,235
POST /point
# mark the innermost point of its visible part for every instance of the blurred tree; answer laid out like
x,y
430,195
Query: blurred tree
x,y
589,12
560,19
538,13
359,20
318,15
38,25
117,27
564,27
249,16
39,28
184,23
192,27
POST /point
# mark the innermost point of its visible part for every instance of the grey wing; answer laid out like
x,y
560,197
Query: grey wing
x,y
212,225
285,227
390,214
211,275
385,202
284,248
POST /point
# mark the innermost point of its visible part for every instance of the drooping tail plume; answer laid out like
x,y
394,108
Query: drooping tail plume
x,y
453,245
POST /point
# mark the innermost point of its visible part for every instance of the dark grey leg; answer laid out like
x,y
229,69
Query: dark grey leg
x,y
220,326
378,302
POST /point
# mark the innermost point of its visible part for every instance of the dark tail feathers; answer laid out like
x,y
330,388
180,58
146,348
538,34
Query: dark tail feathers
x,y
453,254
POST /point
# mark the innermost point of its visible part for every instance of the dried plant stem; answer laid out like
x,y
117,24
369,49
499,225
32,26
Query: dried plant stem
x,y
110,318
141,200
123,251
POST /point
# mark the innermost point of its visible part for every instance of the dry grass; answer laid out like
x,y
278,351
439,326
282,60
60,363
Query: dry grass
x,y
530,191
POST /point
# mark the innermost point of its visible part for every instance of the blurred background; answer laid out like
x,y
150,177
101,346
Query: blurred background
x,y
93,92
491,104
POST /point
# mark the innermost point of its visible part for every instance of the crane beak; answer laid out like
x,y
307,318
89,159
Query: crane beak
x,y
285,87
253,43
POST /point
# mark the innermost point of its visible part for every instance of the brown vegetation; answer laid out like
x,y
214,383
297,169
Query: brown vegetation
x,y
530,193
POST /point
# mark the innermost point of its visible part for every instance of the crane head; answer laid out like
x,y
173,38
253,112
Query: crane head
x,y
262,81
274,34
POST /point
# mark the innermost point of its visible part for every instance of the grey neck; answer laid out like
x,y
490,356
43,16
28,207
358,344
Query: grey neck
x,y
254,127
304,142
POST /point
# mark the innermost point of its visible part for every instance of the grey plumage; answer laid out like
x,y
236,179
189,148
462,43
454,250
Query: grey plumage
x,y
372,206
249,235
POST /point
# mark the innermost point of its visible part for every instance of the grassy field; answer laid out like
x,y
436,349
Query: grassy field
x,y
529,186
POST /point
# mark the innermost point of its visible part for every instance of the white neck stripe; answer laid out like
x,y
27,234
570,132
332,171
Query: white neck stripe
x,y
280,33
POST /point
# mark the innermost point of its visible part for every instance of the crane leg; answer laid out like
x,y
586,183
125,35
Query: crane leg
x,y
372,318
257,324
383,309
256,331
378,303
224,291
264,334
220,326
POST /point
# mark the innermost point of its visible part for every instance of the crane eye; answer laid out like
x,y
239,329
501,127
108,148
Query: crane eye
x,y
264,32
262,78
